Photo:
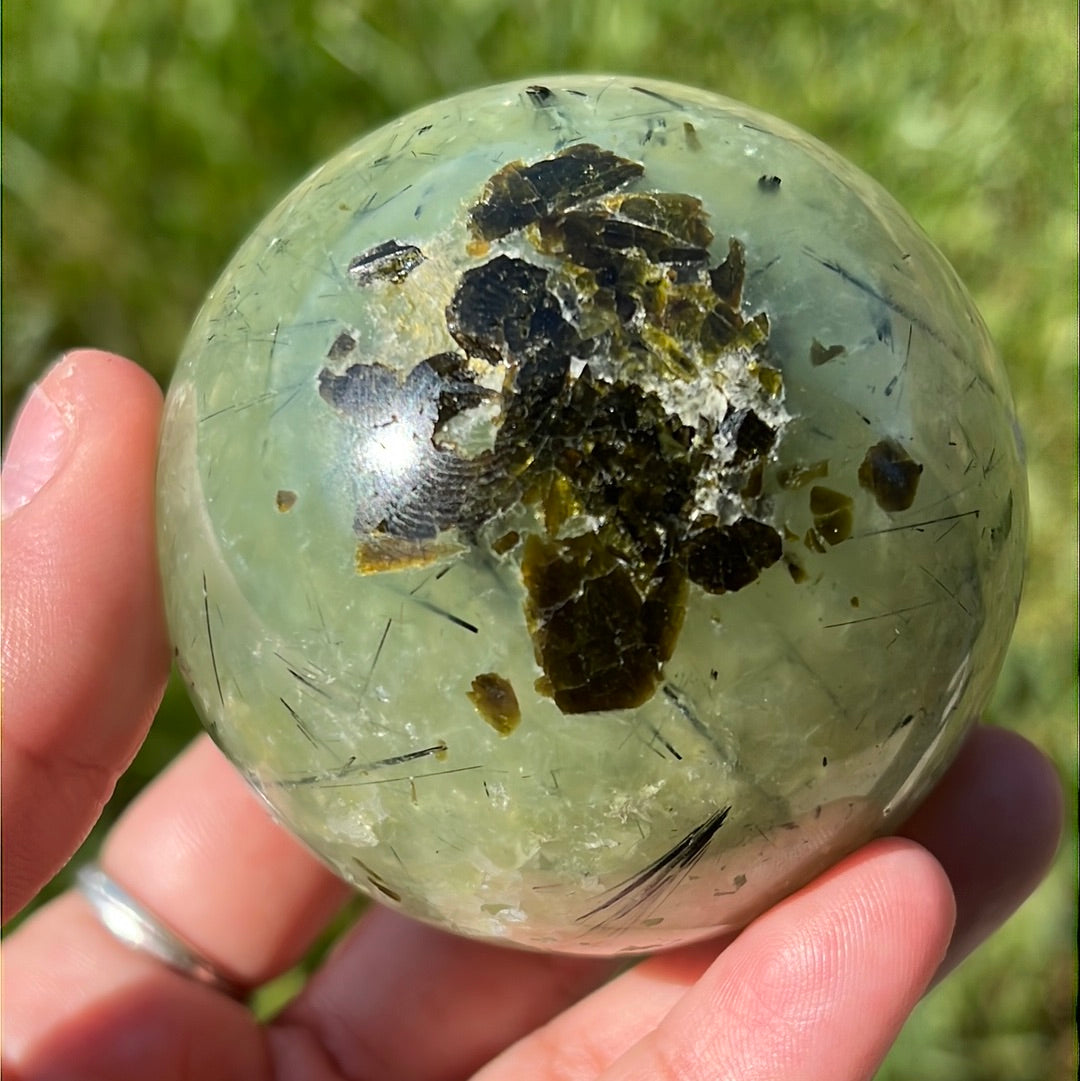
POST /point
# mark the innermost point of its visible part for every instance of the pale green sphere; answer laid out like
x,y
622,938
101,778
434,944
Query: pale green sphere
x,y
587,510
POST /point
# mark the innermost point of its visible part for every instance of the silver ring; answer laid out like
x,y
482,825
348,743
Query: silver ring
x,y
131,924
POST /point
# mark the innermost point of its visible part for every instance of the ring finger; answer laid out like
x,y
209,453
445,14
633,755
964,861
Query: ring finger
x,y
200,853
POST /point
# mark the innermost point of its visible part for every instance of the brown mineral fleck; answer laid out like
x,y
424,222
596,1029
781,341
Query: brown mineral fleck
x,y
832,514
822,354
496,702
891,475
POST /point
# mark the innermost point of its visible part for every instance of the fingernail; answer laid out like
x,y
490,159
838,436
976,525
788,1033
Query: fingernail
x,y
37,449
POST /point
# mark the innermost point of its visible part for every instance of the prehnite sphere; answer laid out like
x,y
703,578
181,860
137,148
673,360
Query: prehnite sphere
x,y
588,509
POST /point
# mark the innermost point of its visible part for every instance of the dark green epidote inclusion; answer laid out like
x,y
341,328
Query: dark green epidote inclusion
x,y
603,337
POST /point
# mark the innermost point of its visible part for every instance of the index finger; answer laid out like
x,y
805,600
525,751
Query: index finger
x,y
79,582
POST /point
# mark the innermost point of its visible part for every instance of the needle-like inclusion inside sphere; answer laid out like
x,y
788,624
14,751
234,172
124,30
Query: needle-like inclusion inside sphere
x,y
587,510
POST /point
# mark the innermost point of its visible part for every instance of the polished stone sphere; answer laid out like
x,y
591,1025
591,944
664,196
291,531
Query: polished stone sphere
x,y
587,510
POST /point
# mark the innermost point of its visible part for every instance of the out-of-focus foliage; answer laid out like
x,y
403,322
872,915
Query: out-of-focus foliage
x,y
143,138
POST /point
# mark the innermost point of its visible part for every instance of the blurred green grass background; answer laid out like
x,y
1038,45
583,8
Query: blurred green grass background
x,y
143,140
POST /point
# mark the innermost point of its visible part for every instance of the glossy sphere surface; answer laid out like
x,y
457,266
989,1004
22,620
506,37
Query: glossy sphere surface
x,y
587,510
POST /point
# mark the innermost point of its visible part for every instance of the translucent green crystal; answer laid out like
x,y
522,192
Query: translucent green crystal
x,y
588,510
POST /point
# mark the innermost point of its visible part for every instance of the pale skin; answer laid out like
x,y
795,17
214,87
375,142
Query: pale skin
x,y
817,987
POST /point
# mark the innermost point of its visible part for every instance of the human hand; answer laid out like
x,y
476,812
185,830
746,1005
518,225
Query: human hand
x,y
817,987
